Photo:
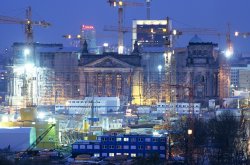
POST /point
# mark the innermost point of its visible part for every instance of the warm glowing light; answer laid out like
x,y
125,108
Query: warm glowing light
x,y
174,32
78,36
69,36
190,132
120,49
164,30
120,3
236,34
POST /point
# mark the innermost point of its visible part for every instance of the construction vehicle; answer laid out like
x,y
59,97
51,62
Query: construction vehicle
x,y
28,22
30,152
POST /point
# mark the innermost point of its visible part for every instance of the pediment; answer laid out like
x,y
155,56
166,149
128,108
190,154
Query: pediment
x,y
108,62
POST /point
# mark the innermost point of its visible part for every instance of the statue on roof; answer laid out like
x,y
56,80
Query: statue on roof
x,y
136,49
85,47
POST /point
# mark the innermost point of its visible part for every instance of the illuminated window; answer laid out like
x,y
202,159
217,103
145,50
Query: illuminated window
x,y
118,139
111,154
147,139
96,155
118,154
133,155
108,84
75,146
99,84
82,146
133,147
126,139
125,154
118,85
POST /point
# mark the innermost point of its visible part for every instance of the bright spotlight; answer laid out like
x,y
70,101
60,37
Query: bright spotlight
x,y
26,52
105,44
159,67
29,66
228,53
41,115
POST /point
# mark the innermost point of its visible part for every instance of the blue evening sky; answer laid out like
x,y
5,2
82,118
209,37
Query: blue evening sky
x,y
66,16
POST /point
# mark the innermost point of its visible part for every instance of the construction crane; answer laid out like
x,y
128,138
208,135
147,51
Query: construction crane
x,y
148,4
121,31
29,150
241,34
28,22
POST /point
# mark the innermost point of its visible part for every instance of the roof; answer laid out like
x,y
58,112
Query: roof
x,y
196,39
58,49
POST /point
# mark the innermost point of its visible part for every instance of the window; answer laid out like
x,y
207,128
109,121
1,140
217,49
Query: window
x,y
75,146
89,147
148,147
133,147
162,155
133,139
125,154
104,147
126,139
104,139
111,147
140,139
82,146
108,84
118,154
133,155
125,147
154,139
111,139
118,139
155,147
96,155
140,154
140,147
104,154
163,140
111,154
96,146
162,147
119,147
118,85
147,139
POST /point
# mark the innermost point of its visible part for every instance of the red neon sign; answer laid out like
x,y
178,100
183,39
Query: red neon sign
x,y
87,27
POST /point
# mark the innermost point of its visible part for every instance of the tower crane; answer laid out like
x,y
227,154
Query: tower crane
x,y
241,34
28,22
121,31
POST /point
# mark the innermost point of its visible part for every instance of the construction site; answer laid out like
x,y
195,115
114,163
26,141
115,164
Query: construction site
x,y
59,95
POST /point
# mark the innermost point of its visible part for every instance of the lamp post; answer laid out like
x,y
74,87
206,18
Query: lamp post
x,y
188,156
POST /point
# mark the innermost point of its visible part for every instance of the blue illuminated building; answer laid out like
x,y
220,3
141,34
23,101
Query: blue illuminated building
x,y
128,145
